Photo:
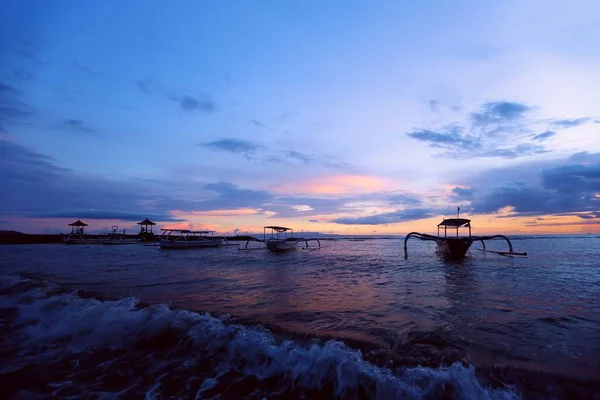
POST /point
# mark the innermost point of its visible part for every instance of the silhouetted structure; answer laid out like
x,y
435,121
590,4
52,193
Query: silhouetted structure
x,y
144,226
146,230
77,227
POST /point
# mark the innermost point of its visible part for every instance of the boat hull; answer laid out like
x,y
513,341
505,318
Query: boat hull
x,y
454,248
83,239
277,246
190,244
121,241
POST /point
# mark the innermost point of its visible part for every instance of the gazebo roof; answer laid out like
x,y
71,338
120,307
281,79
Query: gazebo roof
x,y
146,222
78,223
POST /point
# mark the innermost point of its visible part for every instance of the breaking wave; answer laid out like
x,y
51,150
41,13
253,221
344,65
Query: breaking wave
x,y
77,344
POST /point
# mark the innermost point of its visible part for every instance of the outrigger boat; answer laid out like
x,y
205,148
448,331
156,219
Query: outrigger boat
x,y
78,236
187,239
114,238
281,240
456,247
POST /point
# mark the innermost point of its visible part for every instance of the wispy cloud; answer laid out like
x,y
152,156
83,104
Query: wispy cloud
x,y
230,196
75,125
186,101
256,122
570,123
486,133
190,103
544,136
21,74
231,145
145,85
409,214
12,108
499,112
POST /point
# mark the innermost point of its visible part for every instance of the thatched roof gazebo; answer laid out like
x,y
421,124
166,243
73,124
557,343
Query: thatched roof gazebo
x,y
146,226
77,226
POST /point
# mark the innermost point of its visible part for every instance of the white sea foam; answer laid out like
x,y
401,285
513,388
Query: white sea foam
x,y
67,322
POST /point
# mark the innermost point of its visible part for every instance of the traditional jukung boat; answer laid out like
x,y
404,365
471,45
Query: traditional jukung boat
x,y
114,238
281,240
187,239
456,247
78,236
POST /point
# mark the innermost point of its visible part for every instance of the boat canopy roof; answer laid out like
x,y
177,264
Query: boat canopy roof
x,y
279,228
201,231
455,222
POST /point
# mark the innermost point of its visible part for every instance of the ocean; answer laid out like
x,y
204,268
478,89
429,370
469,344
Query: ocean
x,y
354,319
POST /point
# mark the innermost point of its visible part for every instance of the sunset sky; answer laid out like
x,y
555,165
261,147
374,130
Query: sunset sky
x,y
350,117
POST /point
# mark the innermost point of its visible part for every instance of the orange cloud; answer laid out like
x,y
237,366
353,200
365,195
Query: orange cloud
x,y
337,185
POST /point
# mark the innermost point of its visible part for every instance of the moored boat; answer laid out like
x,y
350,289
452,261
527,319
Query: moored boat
x,y
456,247
78,236
187,239
281,240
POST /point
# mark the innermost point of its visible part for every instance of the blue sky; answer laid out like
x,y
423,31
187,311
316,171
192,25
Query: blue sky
x,y
328,116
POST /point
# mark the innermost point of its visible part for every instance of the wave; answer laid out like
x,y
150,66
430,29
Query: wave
x,y
76,344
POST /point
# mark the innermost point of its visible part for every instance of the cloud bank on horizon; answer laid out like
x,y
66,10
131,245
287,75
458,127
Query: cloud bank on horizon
x,y
331,117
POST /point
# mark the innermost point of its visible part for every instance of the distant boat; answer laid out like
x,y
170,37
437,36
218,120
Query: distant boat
x,y
456,247
187,239
281,240
116,239
77,235
82,238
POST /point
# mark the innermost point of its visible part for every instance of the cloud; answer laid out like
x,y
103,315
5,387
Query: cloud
x,y
292,156
409,214
230,196
110,215
499,112
40,188
300,157
144,85
256,122
570,123
74,125
190,103
405,199
544,136
520,150
302,208
570,185
12,109
449,137
460,193
231,145
434,106
22,74
28,49
497,130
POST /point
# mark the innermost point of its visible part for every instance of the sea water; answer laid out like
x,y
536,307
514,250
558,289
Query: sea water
x,y
351,320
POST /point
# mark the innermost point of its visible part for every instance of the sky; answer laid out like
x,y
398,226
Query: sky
x,y
346,117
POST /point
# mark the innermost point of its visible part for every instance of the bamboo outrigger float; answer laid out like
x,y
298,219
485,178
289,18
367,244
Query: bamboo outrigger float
x,y
281,240
456,247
